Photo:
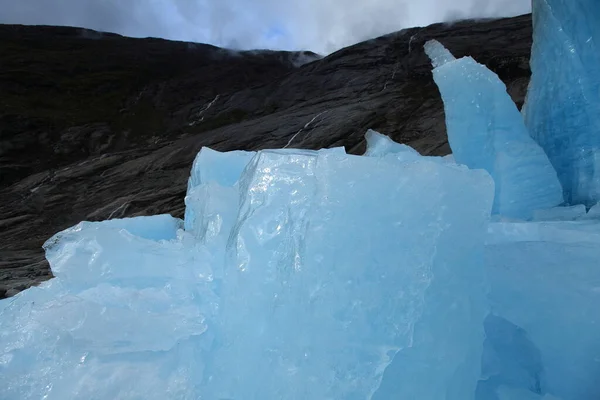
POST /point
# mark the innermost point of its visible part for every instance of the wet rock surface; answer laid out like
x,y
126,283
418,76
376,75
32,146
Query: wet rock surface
x,y
96,126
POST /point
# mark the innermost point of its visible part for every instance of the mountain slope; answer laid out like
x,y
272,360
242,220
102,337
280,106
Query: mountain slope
x,y
96,126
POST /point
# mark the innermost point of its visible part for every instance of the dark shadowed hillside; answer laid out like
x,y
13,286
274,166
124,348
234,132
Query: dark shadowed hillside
x,y
96,126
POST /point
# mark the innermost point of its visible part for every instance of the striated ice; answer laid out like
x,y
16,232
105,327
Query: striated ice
x,y
544,279
213,179
211,212
299,275
486,130
332,303
563,101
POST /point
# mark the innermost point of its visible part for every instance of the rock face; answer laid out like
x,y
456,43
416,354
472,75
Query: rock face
x,y
96,126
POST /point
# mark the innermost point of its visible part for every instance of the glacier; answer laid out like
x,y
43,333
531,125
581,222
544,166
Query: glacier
x,y
494,137
544,278
563,100
273,288
315,274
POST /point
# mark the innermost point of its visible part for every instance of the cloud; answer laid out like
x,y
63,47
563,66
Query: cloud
x,y
318,25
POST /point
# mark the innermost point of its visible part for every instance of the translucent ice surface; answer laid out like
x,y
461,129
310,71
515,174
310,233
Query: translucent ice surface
x,y
563,101
299,275
486,130
300,205
380,145
118,321
544,279
213,182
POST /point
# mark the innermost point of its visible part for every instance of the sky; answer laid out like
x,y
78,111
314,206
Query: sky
x,y
322,26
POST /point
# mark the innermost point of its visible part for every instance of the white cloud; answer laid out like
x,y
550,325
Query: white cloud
x,y
319,25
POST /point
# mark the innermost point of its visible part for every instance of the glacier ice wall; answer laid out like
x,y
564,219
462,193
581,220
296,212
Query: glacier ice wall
x,y
322,292
298,275
563,100
493,136
544,278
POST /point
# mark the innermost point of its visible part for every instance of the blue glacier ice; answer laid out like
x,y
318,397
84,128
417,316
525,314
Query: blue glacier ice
x,y
296,275
494,136
379,145
509,360
116,322
212,186
563,100
226,168
545,280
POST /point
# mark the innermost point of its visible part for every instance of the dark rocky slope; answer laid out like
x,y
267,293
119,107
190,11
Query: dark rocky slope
x,y
96,126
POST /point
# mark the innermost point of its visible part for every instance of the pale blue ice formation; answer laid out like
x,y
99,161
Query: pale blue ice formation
x,y
544,279
212,186
118,321
563,101
494,136
438,54
302,266
299,275
379,145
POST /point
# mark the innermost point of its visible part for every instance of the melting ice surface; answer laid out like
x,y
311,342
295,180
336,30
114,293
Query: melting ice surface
x,y
563,102
545,279
494,137
302,278
316,275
